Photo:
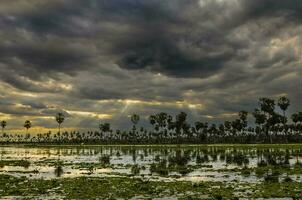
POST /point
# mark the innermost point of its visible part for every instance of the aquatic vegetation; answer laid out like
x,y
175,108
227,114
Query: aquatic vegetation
x,y
125,187
160,168
105,160
245,171
22,163
187,171
58,169
135,169
287,179
271,178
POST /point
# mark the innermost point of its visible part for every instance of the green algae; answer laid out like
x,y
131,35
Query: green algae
x,y
21,163
127,187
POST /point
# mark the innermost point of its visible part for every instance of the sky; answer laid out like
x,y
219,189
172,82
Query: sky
x,y
103,60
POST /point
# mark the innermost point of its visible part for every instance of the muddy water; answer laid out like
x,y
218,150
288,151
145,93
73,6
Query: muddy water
x,y
193,163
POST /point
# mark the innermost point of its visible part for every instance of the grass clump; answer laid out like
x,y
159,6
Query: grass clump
x,y
105,160
135,169
22,163
129,187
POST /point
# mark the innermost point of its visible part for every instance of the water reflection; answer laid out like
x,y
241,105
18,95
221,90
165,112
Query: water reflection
x,y
58,168
183,163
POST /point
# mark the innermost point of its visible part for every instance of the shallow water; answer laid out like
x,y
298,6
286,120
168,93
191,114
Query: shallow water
x,y
200,163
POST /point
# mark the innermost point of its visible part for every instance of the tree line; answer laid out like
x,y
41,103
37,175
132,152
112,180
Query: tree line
x,y
270,126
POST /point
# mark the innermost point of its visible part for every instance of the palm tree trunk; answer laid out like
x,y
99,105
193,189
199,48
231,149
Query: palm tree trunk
x,y
284,123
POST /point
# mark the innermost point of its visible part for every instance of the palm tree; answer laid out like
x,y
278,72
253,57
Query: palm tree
x,y
283,104
295,118
160,122
260,119
243,118
60,119
199,127
27,125
3,125
105,128
135,119
267,106
228,127
181,124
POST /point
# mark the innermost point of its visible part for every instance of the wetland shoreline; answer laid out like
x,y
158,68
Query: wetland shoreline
x,y
213,171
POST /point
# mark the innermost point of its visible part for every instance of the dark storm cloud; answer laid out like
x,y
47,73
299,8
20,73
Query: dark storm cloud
x,y
42,58
260,8
201,49
164,41
96,93
223,54
179,38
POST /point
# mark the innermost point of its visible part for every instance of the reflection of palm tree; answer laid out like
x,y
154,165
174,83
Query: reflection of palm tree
x,y
3,125
60,119
58,168
27,125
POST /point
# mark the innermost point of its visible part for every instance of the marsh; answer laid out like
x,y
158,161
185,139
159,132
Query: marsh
x,y
220,166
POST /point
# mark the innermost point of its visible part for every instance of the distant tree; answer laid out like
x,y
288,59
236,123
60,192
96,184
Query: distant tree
x,y
275,119
260,119
105,128
213,132
267,106
60,119
200,128
160,122
181,124
295,118
236,126
221,129
27,125
3,125
283,104
134,119
228,127
271,125
243,119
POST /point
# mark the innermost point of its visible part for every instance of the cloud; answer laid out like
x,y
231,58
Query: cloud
x,y
101,56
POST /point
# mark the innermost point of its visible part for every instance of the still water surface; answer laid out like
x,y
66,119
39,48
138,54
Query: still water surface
x,y
164,163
